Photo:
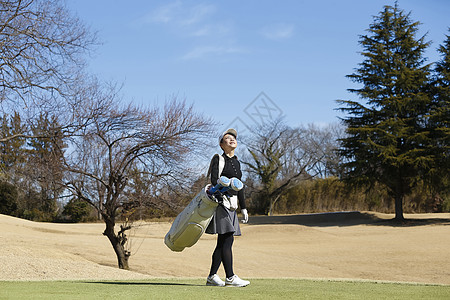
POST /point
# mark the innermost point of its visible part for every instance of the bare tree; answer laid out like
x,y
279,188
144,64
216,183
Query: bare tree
x,y
322,142
121,139
42,47
280,157
41,63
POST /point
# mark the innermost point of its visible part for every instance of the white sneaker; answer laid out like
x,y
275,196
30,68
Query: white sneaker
x,y
236,281
214,280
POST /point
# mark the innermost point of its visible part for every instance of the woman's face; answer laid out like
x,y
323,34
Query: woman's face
x,y
229,142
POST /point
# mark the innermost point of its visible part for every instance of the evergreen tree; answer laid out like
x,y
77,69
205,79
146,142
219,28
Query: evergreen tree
x,y
77,210
12,156
45,162
387,135
8,198
440,122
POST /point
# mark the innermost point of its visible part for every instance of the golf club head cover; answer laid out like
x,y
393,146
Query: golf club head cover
x,y
222,183
235,184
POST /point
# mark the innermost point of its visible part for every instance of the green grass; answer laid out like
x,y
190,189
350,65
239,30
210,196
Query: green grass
x,y
273,289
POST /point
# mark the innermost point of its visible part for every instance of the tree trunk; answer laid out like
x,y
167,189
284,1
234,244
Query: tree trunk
x,y
399,207
272,204
117,243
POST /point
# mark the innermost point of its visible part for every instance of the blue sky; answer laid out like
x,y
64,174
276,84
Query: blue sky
x,y
242,62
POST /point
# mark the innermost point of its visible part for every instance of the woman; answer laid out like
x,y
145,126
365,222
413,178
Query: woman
x,y
225,222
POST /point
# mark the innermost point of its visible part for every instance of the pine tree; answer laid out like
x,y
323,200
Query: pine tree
x,y
440,121
12,158
45,161
386,135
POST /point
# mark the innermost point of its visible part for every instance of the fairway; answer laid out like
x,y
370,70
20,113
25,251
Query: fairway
x,y
195,289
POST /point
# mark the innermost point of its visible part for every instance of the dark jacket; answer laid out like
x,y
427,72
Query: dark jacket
x,y
232,168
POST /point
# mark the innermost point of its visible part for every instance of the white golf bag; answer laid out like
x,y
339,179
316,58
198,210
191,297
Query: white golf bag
x,y
192,222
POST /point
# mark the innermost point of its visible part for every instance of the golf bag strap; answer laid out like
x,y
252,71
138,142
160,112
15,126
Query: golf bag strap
x,y
221,165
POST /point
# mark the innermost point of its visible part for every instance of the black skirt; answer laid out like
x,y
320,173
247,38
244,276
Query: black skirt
x,y
224,221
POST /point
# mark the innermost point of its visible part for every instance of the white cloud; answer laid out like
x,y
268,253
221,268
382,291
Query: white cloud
x,y
163,14
177,14
212,30
198,14
278,31
204,51
199,24
202,31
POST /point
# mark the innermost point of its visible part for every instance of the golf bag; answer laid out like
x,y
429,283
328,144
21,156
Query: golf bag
x,y
191,223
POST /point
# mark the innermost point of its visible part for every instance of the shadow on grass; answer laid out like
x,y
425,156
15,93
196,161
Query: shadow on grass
x,y
142,283
351,218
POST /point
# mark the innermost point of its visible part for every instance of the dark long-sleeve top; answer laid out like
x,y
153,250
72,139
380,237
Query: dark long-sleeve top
x,y
232,168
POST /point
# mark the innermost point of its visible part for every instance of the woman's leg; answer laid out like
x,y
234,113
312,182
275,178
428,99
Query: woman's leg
x,y
216,257
227,254
223,254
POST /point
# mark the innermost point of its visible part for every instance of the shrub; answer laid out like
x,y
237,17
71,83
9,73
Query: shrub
x,y
8,198
331,194
77,210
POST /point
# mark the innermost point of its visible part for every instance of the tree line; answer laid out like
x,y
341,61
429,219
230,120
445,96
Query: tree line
x,y
70,143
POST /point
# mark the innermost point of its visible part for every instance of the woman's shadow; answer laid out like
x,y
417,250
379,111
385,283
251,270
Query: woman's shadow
x,y
146,283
